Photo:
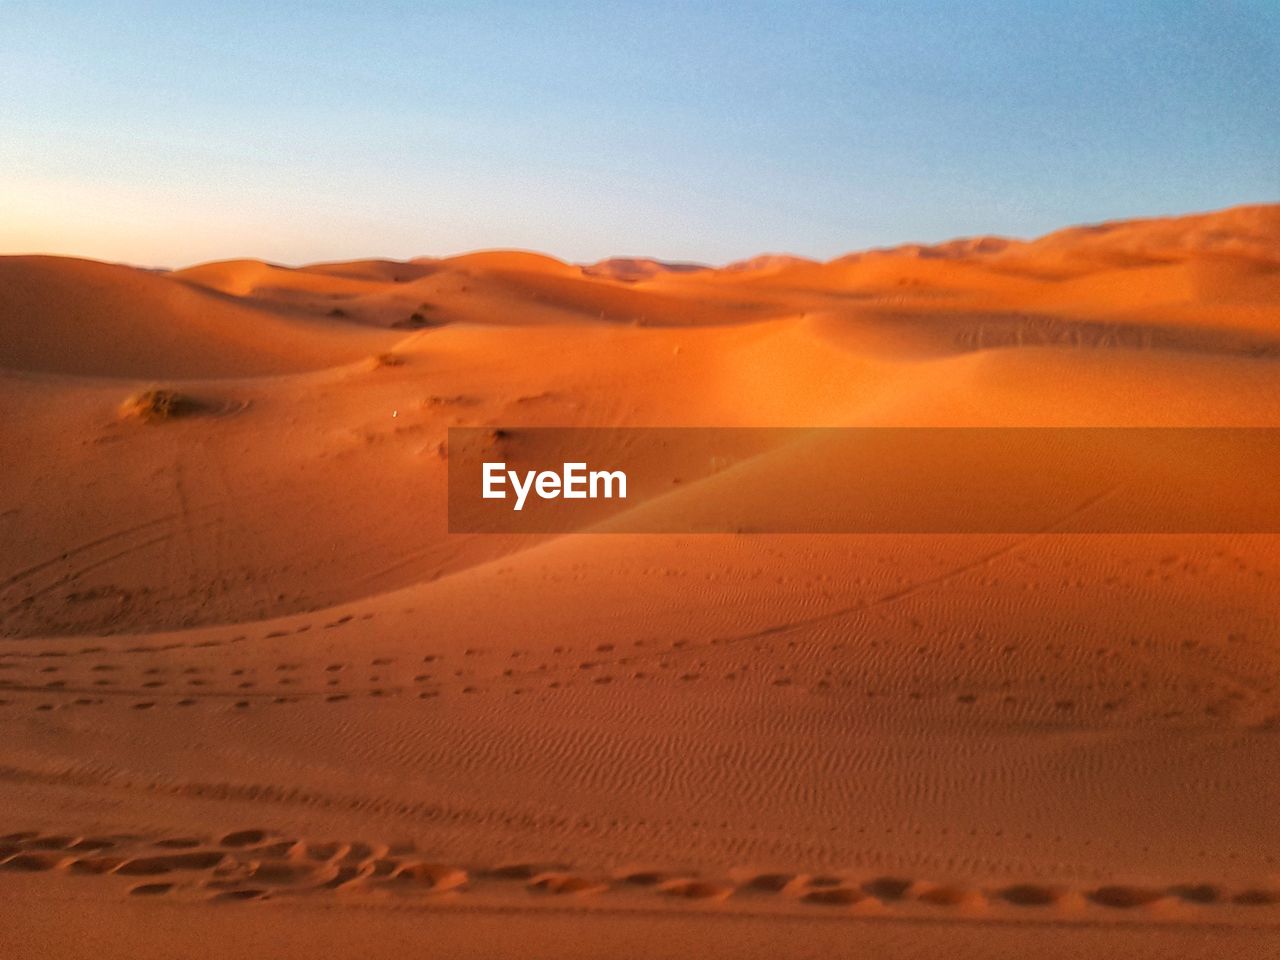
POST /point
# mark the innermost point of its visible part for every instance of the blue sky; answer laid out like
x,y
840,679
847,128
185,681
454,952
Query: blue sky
x,y
169,133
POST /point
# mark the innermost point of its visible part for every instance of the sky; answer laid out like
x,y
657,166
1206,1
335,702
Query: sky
x,y
170,133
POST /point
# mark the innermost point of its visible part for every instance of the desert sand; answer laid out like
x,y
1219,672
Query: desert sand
x,y
255,700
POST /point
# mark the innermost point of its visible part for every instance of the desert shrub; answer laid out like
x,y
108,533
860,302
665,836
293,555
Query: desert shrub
x,y
157,404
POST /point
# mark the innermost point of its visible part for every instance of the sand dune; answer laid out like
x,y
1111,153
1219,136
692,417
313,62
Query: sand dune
x,y
255,696
95,319
630,269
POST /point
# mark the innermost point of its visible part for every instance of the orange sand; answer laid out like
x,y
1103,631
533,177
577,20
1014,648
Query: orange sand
x,y
256,701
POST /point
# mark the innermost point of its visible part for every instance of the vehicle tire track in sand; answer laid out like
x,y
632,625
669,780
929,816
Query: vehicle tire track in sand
x,y
920,585
78,549
81,571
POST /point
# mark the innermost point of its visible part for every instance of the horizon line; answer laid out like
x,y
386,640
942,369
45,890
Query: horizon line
x,y
693,265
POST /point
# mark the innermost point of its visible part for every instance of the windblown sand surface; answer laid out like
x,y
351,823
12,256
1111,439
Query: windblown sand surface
x,y
255,701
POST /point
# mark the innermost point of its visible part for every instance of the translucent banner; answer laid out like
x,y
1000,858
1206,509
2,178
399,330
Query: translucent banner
x,y
864,480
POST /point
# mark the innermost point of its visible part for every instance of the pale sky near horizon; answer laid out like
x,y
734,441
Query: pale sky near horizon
x,y
171,133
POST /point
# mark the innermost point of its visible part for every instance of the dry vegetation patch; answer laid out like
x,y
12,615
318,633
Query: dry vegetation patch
x,y
157,404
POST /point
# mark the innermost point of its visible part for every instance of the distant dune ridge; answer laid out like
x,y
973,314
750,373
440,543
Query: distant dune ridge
x,y
246,317
255,698
637,268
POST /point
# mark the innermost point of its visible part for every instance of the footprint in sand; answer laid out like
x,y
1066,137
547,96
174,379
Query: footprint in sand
x,y
153,866
688,888
565,884
150,889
